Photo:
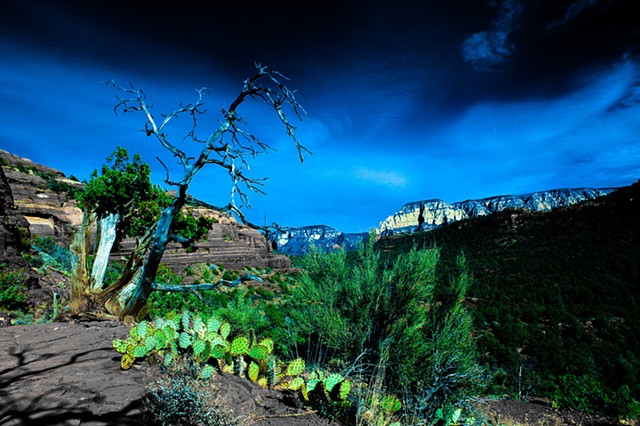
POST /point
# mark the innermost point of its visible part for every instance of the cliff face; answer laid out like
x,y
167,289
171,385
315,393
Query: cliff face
x,y
228,243
298,241
427,215
430,214
14,228
50,213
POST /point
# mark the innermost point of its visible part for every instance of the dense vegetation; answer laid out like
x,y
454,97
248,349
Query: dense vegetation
x,y
403,338
556,298
514,303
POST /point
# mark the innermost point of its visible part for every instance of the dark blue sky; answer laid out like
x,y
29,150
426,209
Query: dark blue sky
x,y
407,100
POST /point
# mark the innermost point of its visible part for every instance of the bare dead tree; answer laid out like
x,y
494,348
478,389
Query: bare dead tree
x,y
229,146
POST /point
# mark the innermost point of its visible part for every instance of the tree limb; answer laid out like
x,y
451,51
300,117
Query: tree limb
x,y
205,286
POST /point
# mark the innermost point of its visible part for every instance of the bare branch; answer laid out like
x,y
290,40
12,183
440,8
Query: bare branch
x,y
205,286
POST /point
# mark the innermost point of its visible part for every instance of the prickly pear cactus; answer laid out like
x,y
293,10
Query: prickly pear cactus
x,y
331,381
259,352
253,372
295,368
206,340
239,346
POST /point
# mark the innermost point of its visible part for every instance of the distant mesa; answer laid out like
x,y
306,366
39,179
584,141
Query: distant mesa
x,y
52,214
298,241
430,214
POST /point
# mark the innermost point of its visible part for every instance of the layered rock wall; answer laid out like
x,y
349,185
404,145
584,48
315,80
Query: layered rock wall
x,y
14,228
298,241
430,214
52,214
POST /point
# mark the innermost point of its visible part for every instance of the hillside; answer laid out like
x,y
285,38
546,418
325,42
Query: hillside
x,y
41,195
427,215
555,293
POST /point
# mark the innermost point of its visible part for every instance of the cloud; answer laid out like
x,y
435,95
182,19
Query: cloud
x,y
572,12
381,177
488,48
528,145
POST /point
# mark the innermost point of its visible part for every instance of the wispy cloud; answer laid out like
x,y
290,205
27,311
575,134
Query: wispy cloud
x,y
574,10
488,48
381,177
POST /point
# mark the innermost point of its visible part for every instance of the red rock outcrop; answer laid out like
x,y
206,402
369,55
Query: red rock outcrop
x,y
53,214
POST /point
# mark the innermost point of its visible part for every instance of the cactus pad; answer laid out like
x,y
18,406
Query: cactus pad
x,y
296,384
141,329
345,388
239,346
295,368
198,346
168,358
161,339
120,346
331,381
213,324
150,343
312,384
140,351
185,319
198,324
225,329
185,340
316,375
258,352
127,361
211,336
268,343
206,372
218,351
254,370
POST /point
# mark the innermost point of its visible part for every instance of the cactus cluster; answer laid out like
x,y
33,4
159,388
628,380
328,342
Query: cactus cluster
x,y
207,340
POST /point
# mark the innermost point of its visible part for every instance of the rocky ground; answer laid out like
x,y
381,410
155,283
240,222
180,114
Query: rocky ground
x,y
69,374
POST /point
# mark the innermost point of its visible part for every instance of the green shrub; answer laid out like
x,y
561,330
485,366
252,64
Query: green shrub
x,y
355,307
244,314
51,254
13,292
585,393
180,398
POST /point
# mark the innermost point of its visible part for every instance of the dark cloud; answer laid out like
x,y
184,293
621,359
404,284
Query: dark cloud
x,y
401,104
572,12
487,48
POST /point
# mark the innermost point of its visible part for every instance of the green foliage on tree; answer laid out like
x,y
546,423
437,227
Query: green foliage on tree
x,y
124,187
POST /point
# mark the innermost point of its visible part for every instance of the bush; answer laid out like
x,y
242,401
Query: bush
x,y
13,292
587,394
355,307
180,398
51,254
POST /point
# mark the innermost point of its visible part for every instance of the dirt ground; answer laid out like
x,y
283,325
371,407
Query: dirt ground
x,y
69,374
511,413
